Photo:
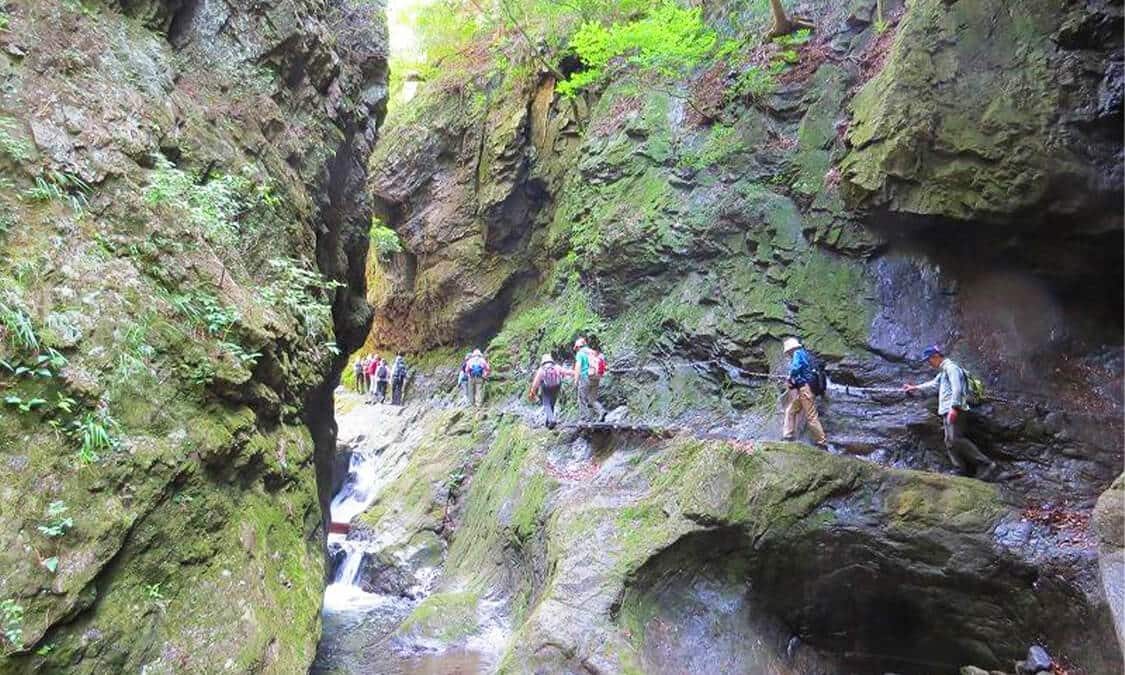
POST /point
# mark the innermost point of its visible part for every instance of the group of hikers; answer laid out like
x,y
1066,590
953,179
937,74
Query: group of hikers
x,y
373,375
547,382
805,381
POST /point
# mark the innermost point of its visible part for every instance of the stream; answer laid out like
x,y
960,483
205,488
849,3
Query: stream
x,y
358,623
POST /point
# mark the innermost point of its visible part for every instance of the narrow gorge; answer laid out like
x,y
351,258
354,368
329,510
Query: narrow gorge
x,y
213,209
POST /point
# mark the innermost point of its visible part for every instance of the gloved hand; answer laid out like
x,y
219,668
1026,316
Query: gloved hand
x,y
952,415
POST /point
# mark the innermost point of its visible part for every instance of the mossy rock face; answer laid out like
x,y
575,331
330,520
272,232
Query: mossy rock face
x,y
960,121
637,554
168,276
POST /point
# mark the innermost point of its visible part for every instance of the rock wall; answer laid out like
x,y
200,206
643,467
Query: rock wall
x,y
881,198
184,232
953,176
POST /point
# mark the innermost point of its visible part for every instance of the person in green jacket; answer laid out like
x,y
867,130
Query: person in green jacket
x,y
951,386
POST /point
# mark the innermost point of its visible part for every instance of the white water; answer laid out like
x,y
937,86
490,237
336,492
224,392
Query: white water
x,y
373,430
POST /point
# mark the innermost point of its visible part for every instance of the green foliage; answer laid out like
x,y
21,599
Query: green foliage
x,y
94,433
24,406
669,40
206,311
880,26
794,39
299,291
550,325
15,148
11,617
153,592
57,522
384,240
52,564
17,328
58,186
722,142
212,205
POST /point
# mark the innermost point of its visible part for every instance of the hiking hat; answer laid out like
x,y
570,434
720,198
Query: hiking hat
x,y
790,344
546,359
476,352
932,350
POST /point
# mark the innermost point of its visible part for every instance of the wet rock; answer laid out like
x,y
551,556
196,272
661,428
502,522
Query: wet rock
x,y
973,670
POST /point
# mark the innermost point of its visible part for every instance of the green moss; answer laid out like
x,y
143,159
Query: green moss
x,y
549,324
446,617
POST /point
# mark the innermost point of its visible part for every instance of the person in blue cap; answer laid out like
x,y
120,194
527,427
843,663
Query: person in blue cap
x,y
951,385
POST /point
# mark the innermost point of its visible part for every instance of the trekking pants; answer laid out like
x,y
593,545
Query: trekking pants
x,y
359,382
550,396
476,391
396,391
802,400
588,397
960,448
380,391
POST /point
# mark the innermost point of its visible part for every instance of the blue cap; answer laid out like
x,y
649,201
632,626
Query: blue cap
x,y
931,351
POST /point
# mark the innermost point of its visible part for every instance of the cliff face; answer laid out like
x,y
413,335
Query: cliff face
x,y
183,191
893,190
953,176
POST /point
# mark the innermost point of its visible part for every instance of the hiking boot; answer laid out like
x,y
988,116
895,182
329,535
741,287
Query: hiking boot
x,y
824,446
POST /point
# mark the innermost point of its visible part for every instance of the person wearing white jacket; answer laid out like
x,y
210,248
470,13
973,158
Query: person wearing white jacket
x,y
951,386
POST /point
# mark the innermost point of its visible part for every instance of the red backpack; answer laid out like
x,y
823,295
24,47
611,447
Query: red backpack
x,y
600,364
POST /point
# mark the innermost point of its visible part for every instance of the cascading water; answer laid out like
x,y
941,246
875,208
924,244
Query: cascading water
x,y
368,474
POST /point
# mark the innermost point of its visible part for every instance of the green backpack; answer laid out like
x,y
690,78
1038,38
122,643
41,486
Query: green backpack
x,y
975,393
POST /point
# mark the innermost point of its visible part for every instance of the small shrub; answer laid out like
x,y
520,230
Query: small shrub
x,y
16,148
94,434
298,291
667,41
58,523
11,617
153,592
213,206
58,186
384,240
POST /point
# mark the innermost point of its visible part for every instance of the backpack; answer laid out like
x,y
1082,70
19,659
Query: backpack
x,y
602,366
476,367
552,376
818,383
400,371
973,386
382,374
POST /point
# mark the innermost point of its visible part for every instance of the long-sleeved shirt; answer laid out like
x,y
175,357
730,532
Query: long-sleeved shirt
x,y
949,383
800,368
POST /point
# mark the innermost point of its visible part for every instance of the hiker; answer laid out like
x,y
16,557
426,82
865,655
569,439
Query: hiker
x,y
369,369
951,384
478,369
546,385
358,372
801,396
589,366
398,379
463,378
382,379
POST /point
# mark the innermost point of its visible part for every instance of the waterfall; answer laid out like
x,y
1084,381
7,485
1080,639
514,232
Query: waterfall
x,y
348,573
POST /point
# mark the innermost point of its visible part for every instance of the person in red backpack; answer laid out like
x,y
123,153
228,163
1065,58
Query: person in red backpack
x,y
589,366
546,385
369,369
